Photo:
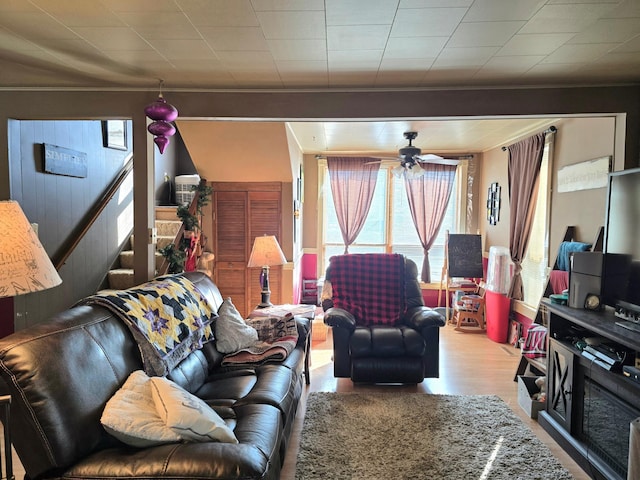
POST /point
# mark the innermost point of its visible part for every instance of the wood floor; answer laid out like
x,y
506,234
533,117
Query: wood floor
x,y
469,364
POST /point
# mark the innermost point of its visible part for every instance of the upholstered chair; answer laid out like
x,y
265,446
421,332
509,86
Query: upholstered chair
x,y
382,331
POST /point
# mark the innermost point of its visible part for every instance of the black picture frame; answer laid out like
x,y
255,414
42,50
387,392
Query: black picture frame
x,y
114,134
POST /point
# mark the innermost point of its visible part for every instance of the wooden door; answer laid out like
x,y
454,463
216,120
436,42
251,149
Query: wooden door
x,y
242,212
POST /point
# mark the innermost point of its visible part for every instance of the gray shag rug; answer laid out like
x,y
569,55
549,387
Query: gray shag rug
x,y
365,436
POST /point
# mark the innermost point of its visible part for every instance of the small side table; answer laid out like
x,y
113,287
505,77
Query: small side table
x,y
305,311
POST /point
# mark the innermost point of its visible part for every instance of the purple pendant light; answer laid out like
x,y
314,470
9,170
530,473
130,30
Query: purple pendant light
x,y
162,113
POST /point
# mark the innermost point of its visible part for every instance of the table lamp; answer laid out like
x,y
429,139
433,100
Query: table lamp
x,y
265,253
25,265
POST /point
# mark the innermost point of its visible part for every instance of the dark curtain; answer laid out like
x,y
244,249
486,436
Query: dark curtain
x,y
525,159
353,182
428,199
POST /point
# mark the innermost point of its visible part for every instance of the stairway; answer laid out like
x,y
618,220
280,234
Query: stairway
x,y
167,226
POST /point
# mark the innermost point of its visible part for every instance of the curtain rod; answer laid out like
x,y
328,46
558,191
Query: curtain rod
x,y
551,129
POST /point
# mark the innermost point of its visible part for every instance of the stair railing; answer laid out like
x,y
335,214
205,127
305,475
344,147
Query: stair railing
x,y
78,233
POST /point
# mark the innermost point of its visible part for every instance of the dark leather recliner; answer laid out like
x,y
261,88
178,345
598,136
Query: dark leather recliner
x,y
382,331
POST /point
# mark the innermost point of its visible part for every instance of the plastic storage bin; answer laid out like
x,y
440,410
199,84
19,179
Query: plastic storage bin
x,y
184,192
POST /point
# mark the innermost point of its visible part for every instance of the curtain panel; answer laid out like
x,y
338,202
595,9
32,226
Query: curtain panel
x,y
353,182
525,159
428,197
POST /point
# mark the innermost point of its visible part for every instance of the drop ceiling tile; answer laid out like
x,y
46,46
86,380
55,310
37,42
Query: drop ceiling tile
x,y
234,38
312,50
552,70
18,6
346,56
178,32
220,13
352,79
426,22
420,47
358,37
113,38
250,79
353,66
360,12
564,18
35,26
631,46
610,30
502,10
247,60
135,57
80,13
484,34
174,25
626,9
473,56
11,42
295,25
449,76
266,5
434,3
534,44
406,65
579,53
505,67
183,49
390,78
300,67
145,6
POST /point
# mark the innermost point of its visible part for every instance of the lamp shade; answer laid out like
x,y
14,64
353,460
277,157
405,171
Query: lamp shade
x,y
26,267
266,252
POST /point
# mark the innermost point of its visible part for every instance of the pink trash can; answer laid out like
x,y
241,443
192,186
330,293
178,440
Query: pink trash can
x,y
497,315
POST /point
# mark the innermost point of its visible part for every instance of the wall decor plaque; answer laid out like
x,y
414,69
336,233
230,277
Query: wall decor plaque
x,y
64,161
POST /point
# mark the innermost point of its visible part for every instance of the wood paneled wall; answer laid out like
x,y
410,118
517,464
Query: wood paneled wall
x,y
57,203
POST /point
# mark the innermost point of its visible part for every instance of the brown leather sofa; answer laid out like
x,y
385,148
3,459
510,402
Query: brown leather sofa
x,y
62,372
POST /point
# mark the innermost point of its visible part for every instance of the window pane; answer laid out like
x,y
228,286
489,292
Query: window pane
x,y
534,264
404,238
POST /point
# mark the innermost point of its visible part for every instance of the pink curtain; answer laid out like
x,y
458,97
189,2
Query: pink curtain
x,y
428,199
353,181
525,159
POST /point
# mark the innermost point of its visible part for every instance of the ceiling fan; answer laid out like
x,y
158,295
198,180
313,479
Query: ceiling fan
x,y
410,158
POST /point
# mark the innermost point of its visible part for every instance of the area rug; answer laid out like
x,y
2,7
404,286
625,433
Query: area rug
x,y
366,436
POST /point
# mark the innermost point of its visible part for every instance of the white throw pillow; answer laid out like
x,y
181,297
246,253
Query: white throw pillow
x,y
187,415
232,332
131,416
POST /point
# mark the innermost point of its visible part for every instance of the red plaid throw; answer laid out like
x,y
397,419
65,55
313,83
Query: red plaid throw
x,y
370,286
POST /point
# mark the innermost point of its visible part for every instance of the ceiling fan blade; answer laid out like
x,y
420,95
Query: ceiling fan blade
x,y
429,157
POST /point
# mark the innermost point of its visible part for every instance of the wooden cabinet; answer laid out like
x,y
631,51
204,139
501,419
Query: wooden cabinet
x,y
560,383
241,212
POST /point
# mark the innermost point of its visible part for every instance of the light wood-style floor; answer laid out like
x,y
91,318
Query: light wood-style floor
x,y
469,364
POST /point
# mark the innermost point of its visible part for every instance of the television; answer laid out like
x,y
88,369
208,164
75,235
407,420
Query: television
x,y
621,265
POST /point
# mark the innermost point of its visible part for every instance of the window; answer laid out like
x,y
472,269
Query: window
x,y
534,264
389,227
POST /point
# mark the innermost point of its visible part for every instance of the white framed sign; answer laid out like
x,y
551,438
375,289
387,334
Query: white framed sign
x,y
584,175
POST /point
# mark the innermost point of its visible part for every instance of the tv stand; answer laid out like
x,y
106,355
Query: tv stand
x,y
590,403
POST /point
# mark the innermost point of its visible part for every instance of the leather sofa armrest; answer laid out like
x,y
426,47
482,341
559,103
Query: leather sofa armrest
x,y
338,317
420,317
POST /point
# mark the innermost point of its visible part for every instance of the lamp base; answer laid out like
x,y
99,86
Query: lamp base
x,y
265,293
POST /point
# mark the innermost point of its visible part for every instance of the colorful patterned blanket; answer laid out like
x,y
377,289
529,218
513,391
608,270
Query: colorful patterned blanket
x,y
369,285
277,337
168,317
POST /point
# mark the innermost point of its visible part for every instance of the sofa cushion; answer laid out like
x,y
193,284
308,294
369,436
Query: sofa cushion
x,y
231,331
131,415
187,415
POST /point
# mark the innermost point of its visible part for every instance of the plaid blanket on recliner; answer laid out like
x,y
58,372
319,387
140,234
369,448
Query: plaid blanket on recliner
x,y
369,285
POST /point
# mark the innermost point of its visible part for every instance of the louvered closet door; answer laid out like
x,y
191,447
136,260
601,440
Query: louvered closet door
x,y
231,257
264,219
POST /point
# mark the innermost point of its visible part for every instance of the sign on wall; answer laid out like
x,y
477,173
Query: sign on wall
x,y
64,161
584,175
